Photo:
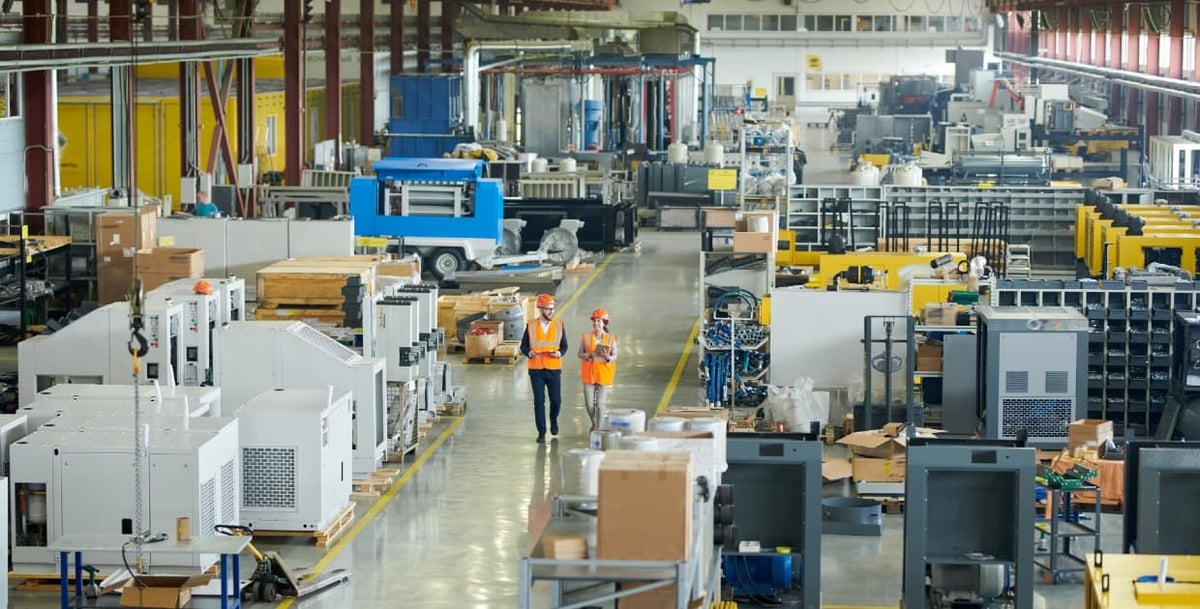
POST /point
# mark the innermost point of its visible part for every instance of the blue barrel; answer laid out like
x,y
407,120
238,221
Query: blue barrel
x,y
592,110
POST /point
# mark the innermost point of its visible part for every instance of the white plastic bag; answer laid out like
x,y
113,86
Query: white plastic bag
x,y
797,406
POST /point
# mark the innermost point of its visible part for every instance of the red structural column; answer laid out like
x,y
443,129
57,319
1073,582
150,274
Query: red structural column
x,y
38,111
1133,29
396,21
333,72
449,7
1085,38
423,25
293,93
1175,70
366,72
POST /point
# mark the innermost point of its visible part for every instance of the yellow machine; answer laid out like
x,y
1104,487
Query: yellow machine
x,y
1172,247
888,269
1111,582
1101,244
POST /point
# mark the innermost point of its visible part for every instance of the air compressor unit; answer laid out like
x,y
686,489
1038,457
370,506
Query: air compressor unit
x,y
68,482
1032,372
298,481
258,356
94,349
192,401
199,321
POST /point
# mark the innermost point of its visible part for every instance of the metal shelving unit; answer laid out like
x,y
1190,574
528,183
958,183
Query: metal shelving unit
x,y
761,154
1064,531
753,274
1130,341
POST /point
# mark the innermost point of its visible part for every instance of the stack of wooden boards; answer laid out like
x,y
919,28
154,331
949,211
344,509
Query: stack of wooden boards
x,y
310,289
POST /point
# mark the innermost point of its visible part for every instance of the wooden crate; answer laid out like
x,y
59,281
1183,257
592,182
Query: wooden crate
x,y
314,280
333,315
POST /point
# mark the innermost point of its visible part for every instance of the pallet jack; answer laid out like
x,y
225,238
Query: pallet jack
x,y
272,577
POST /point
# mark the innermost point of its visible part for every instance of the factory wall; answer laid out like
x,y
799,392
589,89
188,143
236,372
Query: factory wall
x,y
86,124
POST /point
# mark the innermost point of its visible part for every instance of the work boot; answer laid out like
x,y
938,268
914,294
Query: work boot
x,y
554,428
541,438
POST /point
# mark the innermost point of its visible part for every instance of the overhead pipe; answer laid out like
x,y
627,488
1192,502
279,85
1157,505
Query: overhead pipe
x,y
471,68
1146,82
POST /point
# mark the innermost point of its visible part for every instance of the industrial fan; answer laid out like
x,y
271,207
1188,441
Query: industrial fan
x,y
560,243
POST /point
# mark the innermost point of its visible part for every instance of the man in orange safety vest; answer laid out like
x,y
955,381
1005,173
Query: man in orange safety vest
x,y
544,342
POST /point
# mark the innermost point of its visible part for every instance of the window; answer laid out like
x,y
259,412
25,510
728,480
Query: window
x,y
972,24
270,134
733,23
716,23
1189,53
936,24
751,23
814,82
845,23
916,24
770,23
787,86
883,23
1164,53
787,23
1143,47
954,24
824,23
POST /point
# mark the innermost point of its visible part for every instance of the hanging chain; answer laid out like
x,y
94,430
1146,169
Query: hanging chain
x,y
138,348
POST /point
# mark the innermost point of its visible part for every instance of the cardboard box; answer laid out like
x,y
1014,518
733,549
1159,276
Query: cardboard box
x,y
114,277
177,262
481,345
753,242
883,443
162,591
941,314
871,469
1089,432
720,217
564,546
929,356
183,529
645,506
834,469
405,267
489,326
115,231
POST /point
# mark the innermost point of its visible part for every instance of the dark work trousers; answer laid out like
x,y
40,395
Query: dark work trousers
x,y
543,380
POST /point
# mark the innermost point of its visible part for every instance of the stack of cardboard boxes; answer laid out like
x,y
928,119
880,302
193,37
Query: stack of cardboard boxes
x,y
880,455
454,307
122,233
1085,438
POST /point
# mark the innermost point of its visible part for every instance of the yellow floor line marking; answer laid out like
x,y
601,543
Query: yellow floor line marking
x,y
378,505
596,273
683,358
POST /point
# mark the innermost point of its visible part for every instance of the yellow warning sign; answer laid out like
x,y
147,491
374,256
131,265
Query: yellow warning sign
x,y
722,179
813,61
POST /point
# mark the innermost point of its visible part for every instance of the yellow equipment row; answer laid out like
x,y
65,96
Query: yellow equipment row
x,y
1111,582
1161,233
891,267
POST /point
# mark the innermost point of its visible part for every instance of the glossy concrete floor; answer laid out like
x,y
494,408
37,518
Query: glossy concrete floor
x,y
450,534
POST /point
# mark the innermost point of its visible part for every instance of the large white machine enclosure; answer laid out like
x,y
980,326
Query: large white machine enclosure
x,y
258,356
196,328
94,349
13,427
397,336
230,292
298,480
66,481
189,401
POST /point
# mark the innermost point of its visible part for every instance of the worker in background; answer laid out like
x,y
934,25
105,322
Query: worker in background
x,y
203,208
544,342
598,350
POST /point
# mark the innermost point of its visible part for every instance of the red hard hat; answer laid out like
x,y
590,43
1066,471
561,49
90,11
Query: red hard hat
x,y
202,287
600,314
545,301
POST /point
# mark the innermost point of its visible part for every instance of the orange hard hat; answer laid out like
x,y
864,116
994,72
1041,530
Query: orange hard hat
x,y
202,287
545,301
600,314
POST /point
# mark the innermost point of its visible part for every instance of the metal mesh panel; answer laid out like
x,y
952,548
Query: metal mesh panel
x,y
1016,381
1057,381
229,492
1039,417
268,478
208,506
324,343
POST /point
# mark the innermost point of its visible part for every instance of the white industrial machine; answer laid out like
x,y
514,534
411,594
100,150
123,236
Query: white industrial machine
x,y
200,318
4,501
13,427
430,337
118,399
397,337
67,482
95,349
257,356
230,291
298,481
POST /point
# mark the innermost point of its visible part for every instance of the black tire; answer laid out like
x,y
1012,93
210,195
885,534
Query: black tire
x,y
268,593
446,261
252,591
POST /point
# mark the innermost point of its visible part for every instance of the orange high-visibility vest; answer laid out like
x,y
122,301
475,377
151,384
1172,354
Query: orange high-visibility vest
x,y
596,372
545,341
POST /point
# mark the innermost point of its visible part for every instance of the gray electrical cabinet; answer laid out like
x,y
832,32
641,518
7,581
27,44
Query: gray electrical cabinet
x,y
1032,368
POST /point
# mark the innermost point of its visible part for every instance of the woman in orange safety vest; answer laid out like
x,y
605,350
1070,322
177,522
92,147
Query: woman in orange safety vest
x,y
598,352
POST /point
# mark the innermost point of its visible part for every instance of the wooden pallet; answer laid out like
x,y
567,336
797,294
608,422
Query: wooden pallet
x,y
453,409
323,538
507,361
377,484
397,456
579,267
45,582
891,505
455,346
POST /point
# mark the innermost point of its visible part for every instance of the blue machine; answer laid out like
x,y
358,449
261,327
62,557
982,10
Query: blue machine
x,y
426,116
443,209
756,575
